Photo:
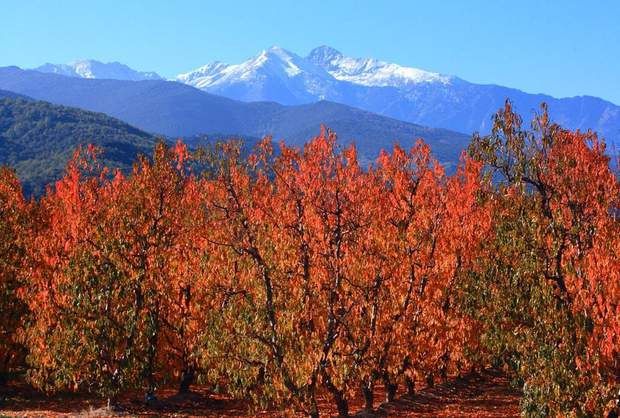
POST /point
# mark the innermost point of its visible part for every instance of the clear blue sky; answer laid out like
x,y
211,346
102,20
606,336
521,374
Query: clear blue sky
x,y
562,47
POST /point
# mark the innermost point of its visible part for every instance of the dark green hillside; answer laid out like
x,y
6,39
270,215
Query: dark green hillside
x,y
11,95
37,139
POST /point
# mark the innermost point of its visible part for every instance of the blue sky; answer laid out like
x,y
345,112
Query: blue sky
x,y
563,48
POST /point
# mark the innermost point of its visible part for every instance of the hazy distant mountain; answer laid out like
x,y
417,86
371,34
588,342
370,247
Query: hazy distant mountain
x,y
175,109
389,89
4,94
96,69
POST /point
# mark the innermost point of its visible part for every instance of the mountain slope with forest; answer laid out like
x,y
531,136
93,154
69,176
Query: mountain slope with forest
x,y
177,110
38,138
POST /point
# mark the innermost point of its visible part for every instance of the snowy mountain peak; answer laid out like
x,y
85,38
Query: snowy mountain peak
x,y
276,50
280,62
323,55
276,59
97,69
276,74
271,67
199,75
371,72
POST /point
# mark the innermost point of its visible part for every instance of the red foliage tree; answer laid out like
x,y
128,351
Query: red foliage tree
x,y
15,222
553,263
113,278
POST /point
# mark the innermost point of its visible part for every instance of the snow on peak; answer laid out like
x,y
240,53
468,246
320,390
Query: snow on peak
x,y
325,74
276,59
96,69
271,63
371,72
204,75
323,55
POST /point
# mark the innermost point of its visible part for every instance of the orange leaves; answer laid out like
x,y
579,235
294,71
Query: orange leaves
x,y
15,219
552,265
298,271
321,252
113,255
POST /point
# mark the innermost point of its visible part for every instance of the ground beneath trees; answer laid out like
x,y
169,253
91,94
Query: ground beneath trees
x,y
485,395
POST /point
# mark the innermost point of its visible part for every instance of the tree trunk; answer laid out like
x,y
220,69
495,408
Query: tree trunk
x,y
187,378
443,372
390,388
314,408
342,405
430,380
339,397
153,329
410,383
367,392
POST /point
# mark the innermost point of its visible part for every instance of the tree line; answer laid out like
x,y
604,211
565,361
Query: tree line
x,y
293,273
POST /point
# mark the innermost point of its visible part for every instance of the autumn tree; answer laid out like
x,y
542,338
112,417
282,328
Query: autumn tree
x,y
15,217
548,293
77,295
342,202
403,244
111,276
286,234
162,252
427,229
295,273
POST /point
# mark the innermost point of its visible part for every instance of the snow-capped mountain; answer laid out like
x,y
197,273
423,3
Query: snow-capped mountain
x,y
389,89
405,93
96,69
282,76
274,75
371,72
177,110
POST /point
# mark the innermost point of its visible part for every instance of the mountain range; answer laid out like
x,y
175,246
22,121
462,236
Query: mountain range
x,y
389,89
46,112
174,109
97,69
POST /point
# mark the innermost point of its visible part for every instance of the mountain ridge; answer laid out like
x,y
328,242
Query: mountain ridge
x,y
89,68
405,93
178,110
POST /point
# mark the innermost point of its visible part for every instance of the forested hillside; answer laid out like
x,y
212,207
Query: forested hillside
x,y
38,138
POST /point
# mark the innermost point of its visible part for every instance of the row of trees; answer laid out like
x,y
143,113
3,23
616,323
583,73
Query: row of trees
x,y
291,273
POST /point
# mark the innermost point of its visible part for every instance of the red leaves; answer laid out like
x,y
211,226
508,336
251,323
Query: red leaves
x,y
556,248
15,216
289,273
